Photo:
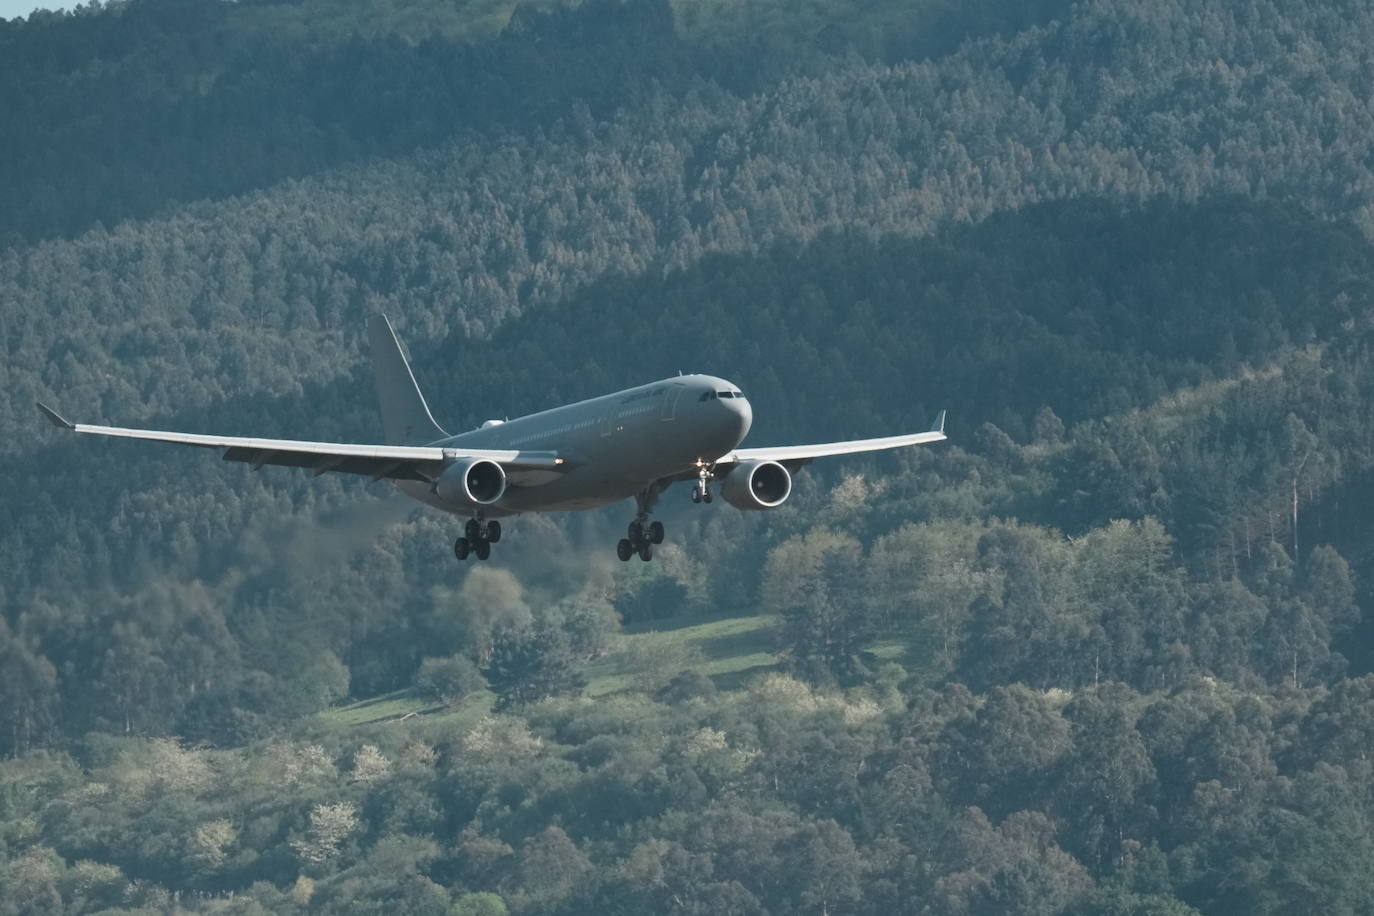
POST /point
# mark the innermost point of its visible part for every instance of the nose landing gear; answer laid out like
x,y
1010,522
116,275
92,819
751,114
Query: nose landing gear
x,y
701,491
477,539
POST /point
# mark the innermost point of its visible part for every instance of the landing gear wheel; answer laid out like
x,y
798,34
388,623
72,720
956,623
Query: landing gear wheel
x,y
482,549
642,533
461,548
696,496
473,530
706,497
494,532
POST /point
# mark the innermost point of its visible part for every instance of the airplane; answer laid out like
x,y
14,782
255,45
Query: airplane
x,y
633,443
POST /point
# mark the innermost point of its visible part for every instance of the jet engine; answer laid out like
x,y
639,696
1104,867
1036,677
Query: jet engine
x,y
757,485
471,482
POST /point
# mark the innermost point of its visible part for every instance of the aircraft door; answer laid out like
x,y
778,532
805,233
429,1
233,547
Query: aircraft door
x,y
670,399
608,421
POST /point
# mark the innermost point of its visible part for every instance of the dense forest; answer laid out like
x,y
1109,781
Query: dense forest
x,y
1102,652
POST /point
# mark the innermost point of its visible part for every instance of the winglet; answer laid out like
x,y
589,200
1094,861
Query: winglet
x,y
56,418
939,425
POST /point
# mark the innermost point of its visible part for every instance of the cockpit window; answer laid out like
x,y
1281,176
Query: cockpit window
x,y
739,394
707,395
725,394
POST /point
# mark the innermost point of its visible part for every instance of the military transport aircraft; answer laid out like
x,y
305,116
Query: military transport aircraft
x,y
635,442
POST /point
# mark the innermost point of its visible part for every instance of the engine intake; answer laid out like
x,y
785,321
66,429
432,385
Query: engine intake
x,y
471,482
757,485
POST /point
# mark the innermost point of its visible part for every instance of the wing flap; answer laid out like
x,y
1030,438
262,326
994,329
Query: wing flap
x,y
379,468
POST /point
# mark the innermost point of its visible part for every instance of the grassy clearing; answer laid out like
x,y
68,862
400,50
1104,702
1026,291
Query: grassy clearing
x,y
472,709
401,703
380,708
729,650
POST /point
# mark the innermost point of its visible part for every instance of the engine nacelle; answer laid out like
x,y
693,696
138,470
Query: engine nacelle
x,y
757,485
471,482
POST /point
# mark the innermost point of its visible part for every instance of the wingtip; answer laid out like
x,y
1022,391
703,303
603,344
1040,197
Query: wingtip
x,y
939,425
54,417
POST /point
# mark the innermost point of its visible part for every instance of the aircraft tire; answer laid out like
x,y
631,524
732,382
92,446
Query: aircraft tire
x,y
696,496
473,530
482,549
707,497
656,532
494,532
624,550
635,533
461,548
646,551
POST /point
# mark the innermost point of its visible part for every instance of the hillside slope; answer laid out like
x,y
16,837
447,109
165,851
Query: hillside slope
x,y
1098,653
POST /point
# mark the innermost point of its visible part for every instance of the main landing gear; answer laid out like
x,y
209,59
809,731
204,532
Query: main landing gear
x,y
477,538
643,534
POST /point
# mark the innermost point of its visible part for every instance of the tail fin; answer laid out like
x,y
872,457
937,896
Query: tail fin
x,y
405,416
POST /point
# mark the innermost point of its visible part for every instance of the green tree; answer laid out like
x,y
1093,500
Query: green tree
x,y
550,871
529,665
1001,759
811,583
28,694
450,679
1108,777
481,904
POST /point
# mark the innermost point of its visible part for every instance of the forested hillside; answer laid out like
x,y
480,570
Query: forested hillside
x,y
1103,652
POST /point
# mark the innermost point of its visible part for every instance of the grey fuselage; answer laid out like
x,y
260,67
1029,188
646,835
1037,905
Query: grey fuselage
x,y
615,445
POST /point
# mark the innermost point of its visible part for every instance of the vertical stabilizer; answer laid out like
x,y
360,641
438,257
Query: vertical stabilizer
x,y
405,416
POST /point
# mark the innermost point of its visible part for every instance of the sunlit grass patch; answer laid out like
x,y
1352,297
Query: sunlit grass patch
x,y
401,704
387,706
729,650
725,646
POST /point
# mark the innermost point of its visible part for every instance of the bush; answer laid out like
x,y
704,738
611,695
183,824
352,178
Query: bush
x,y
449,679
685,686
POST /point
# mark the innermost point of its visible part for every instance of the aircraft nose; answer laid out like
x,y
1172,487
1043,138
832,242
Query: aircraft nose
x,y
743,415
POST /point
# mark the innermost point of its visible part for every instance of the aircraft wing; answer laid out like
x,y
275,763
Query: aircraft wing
x,y
794,456
392,462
